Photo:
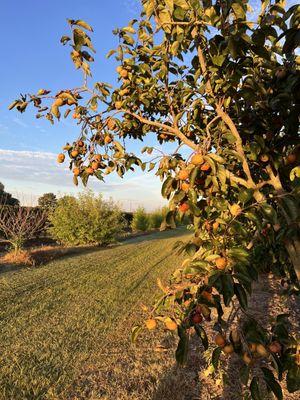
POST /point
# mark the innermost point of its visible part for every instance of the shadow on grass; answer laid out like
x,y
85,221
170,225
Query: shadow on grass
x,y
182,382
45,254
265,301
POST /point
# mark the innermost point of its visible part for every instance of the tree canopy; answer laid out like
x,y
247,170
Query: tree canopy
x,y
222,85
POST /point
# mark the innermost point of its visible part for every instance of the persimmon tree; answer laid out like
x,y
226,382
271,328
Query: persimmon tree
x,y
219,86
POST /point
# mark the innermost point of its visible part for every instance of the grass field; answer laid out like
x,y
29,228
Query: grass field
x,y
65,326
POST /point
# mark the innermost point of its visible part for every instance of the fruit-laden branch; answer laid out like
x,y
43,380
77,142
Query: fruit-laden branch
x,y
174,131
227,120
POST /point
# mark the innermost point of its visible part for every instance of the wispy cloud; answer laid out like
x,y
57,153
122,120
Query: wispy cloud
x,y
19,122
33,173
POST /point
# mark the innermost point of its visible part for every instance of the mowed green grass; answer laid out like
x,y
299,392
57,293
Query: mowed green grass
x,y
65,326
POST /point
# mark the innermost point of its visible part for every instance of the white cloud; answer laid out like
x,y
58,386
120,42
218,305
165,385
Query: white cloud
x,y
20,122
28,174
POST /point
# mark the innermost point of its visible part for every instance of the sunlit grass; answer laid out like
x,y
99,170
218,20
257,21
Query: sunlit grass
x,y
74,315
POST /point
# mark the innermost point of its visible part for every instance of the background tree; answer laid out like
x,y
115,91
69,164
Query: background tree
x,y
87,219
140,220
222,85
7,198
47,201
19,224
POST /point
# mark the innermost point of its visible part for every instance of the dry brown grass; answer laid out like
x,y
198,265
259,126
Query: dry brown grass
x,y
21,257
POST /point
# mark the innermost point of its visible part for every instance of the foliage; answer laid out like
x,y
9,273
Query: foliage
x,y
222,84
20,223
87,219
47,201
7,198
156,218
140,220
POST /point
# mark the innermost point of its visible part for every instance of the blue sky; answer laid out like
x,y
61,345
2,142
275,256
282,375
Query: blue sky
x,y
32,58
35,59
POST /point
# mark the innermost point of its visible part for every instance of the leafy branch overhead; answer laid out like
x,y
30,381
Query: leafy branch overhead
x,y
219,86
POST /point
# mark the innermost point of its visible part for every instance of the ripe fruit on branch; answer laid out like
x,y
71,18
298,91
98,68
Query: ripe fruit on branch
x,y
107,139
97,157
60,158
76,171
235,210
150,324
184,207
76,115
80,143
275,347
95,165
171,325
228,349
261,350
220,340
247,359
221,262
252,347
122,72
281,73
264,158
111,124
215,226
207,226
185,186
89,171
183,174
291,159
197,241
197,159
74,153
207,296
118,105
205,167
197,318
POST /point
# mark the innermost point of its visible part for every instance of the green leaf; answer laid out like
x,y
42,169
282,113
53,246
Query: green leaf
x,y
254,389
202,334
64,39
215,357
271,382
191,249
227,288
238,10
182,348
295,173
135,332
182,4
245,195
218,60
244,374
293,378
83,24
269,213
241,295
167,187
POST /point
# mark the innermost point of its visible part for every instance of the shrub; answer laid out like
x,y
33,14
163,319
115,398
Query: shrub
x,y
87,219
156,218
140,221
18,224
